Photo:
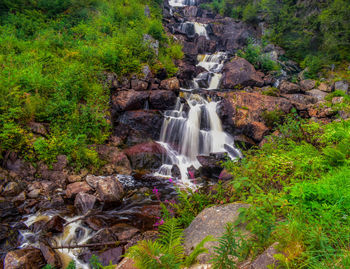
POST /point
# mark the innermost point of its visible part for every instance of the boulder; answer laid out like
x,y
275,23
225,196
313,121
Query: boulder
x,y
287,87
27,258
145,156
211,221
126,263
11,189
139,85
266,259
84,202
50,255
324,87
341,86
124,231
129,100
55,225
319,95
109,189
37,128
210,165
307,84
147,216
162,99
113,255
170,84
116,161
75,188
240,73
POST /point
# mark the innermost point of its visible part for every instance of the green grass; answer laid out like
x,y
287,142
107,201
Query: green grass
x,y
52,58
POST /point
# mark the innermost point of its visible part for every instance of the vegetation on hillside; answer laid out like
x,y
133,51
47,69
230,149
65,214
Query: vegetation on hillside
x,y
315,33
52,58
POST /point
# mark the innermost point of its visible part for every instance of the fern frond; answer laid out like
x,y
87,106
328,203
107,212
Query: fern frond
x,y
199,249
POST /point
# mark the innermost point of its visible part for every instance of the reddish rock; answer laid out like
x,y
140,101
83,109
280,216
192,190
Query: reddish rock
x,y
139,85
162,99
113,255
146,155
55,225
62,162
287,87
11,189
84,202
307,84
75,188
240,73
257,130
225,175
124,231
117,161
129,100
147,216
109,190
170,84
28,258
50,255
324,87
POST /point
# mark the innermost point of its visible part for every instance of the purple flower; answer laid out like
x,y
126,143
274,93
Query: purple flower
x,y
191,174
171,180
156,193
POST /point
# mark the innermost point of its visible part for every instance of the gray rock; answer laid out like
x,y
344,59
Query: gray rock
x,y
84,202
211,221
147,11
266,259
320,95
289,87
109,189
341,86
152,43
307,84
11,189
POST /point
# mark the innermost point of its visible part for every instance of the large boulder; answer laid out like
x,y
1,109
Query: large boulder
x,y
116,161
74,188
319,95
27,258
240,73
287,87
162,99
109,189
139,126
211,221
170,84
145,156
84,202
307,84
129,100
242,112
341,86
266,259
211,165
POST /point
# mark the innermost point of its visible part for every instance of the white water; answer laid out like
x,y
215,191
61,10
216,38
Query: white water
x,y
182,3
199,28
188,135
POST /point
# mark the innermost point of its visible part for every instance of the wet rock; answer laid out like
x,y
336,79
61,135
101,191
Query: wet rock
x,y
240,73
117,161
145,156
147,217
187,70
256,130
170,84
190,11
307,84
287,87
126,263
162,99
109,190
129,100
84,202
113,256
11,189
105,235
203,79
139,126
341,86
38,128
95,223
28,258
50,255
211,221
211,167
75,188
19,198
124,231
55,225
319,95
37,226
266,259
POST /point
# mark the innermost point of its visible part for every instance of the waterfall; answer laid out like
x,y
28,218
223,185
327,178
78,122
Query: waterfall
x,y
182,3
192,28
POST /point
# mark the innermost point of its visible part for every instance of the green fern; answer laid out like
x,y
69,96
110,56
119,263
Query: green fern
x,y
199,249
165,252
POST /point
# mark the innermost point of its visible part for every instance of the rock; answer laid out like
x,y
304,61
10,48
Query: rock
x,y
147,217
113,255
301,101
62,162
225,175
162,99
55,225
74,178
190,11
307,84
170,84
266,259
50,255
140,126
38,128
126,263
211,221
152,43
145,156
256,130
11,189
34,193
116,161
124,231
337,100
324,87
210,165
19,198
147,11
139,85
104,235
28,258
341,86
240,73
109,189
75,188
129,100
84,202
287,87
319,95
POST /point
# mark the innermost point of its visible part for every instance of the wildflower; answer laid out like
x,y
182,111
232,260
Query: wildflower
x,y
191,174
156,193
171,180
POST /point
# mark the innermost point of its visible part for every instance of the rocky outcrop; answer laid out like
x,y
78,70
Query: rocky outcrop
x,y
239,73
24,259
211,221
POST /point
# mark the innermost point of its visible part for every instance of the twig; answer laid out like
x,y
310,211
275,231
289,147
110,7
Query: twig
x,y
92,245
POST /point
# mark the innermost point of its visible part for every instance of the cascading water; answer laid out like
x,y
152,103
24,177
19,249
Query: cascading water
x,y
182,3
192,28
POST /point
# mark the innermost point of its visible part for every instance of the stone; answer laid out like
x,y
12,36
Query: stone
x,y
55,225
319,95
75,188
124,231
240,73
257,130
147,217
50,255
129,100
116,161
109,190
170,84
139,85
266,259
211,221
84,202
287,87
74,178
34,193
145,156
162,99
337,100
152,43
225,175
38,128
28,258
341,86
210,165
126,263
307,84
62,162
113,255
11,189
324,87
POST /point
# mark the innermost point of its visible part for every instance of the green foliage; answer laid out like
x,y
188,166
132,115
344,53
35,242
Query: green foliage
x,y
232,249
53,55
96,264
71,265
273,118
313,64
167,251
